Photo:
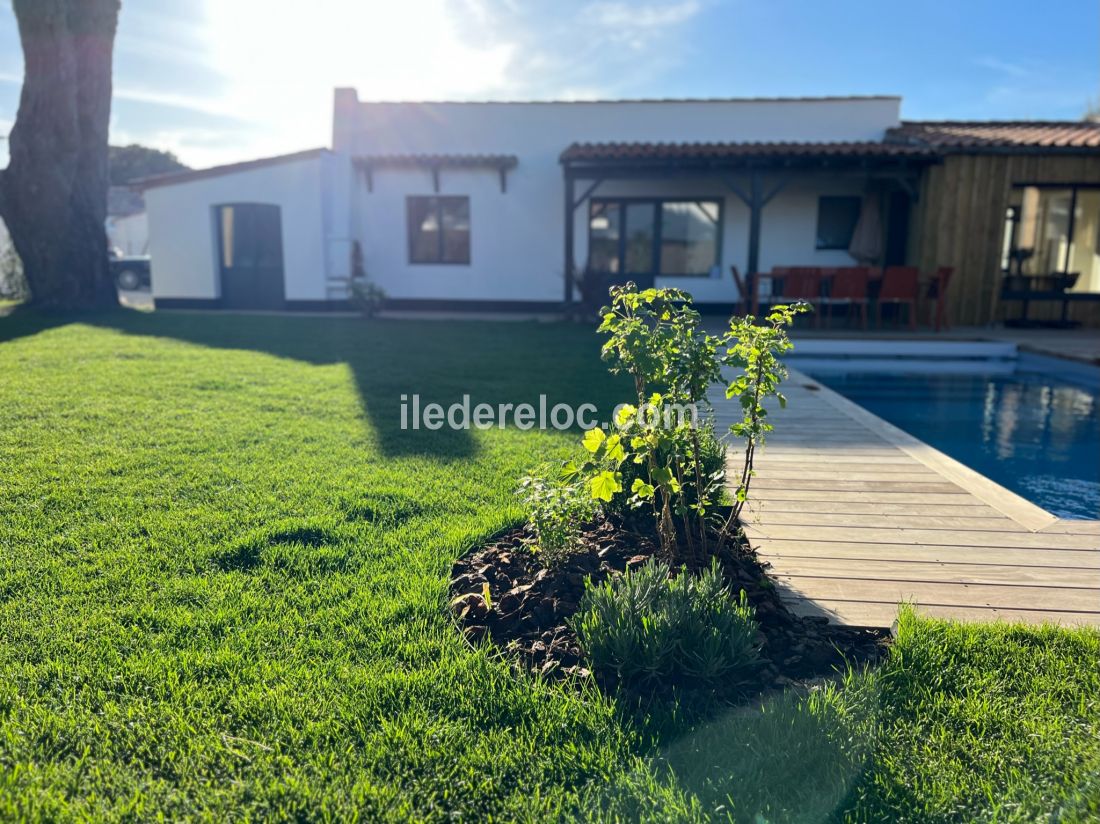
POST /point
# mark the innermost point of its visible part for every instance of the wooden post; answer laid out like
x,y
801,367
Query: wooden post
x,y
569,213
756,206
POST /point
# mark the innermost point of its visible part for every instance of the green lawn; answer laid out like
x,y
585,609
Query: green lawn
x,y
223,586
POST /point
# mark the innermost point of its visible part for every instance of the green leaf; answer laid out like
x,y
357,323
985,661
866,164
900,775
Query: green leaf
x,y
613,449
569,470
642,489
605,485
593,438
625,413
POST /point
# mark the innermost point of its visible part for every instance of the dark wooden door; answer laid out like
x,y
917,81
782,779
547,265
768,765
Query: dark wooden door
x,y
250,256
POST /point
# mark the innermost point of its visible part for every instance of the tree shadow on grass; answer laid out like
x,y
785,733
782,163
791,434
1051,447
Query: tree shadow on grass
x,y
493,362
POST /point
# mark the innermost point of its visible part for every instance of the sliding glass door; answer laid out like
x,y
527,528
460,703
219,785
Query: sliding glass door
x,y
1054,229
641,239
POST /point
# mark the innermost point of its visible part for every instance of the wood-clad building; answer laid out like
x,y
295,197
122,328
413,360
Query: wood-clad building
x,y
1021,196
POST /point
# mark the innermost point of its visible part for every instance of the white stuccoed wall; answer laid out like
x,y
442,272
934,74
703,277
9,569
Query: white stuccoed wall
x,y
517,236
183,238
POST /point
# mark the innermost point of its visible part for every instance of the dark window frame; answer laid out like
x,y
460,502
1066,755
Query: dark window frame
x,y
441,242
818,245
1074,187
658,204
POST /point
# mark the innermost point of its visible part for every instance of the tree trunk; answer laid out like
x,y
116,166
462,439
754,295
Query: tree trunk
x,y
53,195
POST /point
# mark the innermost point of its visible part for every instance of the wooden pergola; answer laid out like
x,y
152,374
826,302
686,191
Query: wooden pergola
x,y
741,167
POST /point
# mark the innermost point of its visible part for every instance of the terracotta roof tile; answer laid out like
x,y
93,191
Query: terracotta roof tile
x,y
961,134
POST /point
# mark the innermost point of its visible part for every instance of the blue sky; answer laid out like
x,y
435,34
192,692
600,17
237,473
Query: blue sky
x,y
223,80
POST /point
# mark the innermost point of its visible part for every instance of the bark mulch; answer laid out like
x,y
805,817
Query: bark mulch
x,y
529,606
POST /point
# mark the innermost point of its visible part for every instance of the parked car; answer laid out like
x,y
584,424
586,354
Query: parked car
x,y
131,272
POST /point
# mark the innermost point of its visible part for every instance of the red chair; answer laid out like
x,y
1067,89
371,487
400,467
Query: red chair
x,y
900,285
791,284
937,291
744,301
847,285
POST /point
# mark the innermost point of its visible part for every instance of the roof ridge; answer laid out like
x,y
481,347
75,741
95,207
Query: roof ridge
x,y
725,142
1088,123
185,175
758,99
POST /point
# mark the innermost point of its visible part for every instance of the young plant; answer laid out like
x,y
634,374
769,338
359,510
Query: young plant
x,y
555,514
658,455
654,337
648,628
755,349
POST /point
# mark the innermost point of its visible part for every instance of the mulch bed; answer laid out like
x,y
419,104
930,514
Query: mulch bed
x,y
530,606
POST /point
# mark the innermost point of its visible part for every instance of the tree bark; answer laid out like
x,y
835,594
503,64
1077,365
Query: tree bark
x,y
53,195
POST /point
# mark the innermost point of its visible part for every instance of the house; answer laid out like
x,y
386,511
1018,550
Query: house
x,y
127,223
507,205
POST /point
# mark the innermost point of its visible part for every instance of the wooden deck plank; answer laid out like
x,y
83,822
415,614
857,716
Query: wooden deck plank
x,y
801,472
903,535
841,485
883,496
1073,528
855,516
891,569
1073,558
946,594
863,614
775,453
872,507
880,519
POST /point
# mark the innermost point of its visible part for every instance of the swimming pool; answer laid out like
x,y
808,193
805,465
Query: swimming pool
x,y
1032,424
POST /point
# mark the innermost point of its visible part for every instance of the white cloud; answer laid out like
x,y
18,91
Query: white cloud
x,y
619,15
194,103
1002,66
248,78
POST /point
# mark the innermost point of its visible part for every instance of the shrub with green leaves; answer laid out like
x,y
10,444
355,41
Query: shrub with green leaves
x,y
647,628
655,458
556,512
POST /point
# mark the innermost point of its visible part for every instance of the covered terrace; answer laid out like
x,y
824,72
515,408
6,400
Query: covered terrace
x,y
777,191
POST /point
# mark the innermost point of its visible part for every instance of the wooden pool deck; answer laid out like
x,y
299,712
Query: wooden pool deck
x,y
856,516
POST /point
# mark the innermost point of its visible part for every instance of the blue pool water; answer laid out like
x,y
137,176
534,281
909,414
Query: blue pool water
x,y
1031,424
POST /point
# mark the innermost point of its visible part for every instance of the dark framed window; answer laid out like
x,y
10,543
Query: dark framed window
x,y
439,228
660,237
1054,228
836,221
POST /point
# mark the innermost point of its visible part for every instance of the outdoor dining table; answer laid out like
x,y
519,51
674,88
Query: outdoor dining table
x,y
930,286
